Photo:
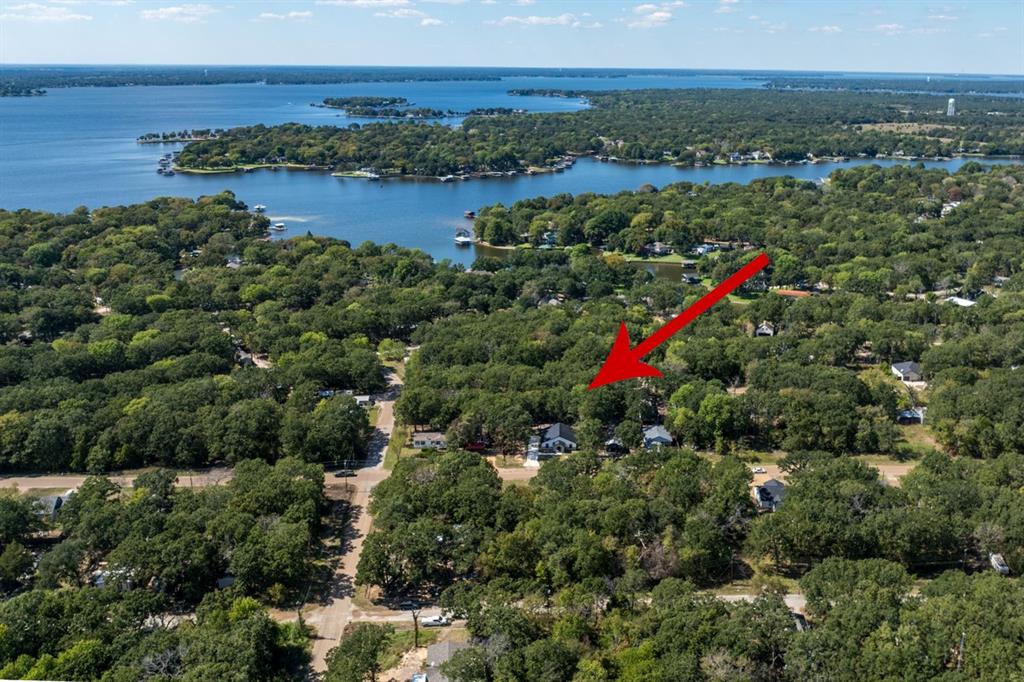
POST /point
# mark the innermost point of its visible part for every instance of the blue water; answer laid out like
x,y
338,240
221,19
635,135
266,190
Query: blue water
x,y
77,147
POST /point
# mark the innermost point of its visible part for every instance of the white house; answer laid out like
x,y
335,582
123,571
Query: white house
x,y
962,302
656,436
428,439
766,328
769,495
558,438
907,371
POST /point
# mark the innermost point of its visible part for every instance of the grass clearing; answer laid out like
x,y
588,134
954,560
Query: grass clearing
x,y
396,446
401,642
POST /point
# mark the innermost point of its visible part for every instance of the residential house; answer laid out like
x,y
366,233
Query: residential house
x,y
428,439
769,495
363,400
658,249
907,371
766,328
558,438
656,436
49,506
962,302
437,655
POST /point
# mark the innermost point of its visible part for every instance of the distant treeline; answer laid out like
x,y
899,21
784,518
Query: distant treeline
x,y
20,80
949,86
686,127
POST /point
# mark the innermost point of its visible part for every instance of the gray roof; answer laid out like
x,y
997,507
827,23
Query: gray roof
x,y
657,432
443,651
909,366
775,488
560,430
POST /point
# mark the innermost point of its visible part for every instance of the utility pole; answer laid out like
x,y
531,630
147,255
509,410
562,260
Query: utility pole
x,y
960,650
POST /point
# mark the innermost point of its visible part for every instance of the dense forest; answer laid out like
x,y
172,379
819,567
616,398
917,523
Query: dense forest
x,y
113,597
593,570
864,282
680,126
174,333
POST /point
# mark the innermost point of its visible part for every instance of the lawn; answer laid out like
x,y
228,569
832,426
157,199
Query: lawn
x,y
396,447
402,641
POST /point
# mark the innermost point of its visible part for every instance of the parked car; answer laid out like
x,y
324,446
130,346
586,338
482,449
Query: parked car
x,y
435,621
418,677
344,473
999,563
477,446
759,470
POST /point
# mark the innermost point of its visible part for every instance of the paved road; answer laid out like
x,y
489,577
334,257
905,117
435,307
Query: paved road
x,y
198,479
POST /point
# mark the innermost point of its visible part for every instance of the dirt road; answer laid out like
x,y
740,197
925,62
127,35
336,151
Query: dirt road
x,y
333,614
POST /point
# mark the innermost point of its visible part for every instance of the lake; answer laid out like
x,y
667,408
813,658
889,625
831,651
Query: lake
x,y
77,147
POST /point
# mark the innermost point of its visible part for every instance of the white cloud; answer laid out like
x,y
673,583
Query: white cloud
x,y
364,3
889,29
942,17
183,14
560,20
36,13
524,3
293,16
649,15
825,29
408,13
726,6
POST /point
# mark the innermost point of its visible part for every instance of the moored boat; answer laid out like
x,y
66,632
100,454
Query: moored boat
x,y
470,214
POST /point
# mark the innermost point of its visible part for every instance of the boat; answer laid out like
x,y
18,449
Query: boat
x,y
463,237
470,214
160,171
259,208
446,178
278,227
169,172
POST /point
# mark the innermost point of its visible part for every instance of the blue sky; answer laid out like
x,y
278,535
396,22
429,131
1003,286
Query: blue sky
x,y
972,36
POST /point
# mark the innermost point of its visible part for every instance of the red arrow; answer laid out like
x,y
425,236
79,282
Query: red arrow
x,y
624,362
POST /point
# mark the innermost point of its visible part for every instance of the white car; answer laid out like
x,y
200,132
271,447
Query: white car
x,y
419,677
759,470
435,621
999,564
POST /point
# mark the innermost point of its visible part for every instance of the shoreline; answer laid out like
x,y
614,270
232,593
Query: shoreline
x,y
540,170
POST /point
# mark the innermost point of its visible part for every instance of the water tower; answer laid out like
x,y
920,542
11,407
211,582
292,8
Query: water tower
x,y
951,107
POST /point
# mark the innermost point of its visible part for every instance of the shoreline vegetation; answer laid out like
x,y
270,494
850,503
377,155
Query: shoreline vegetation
x,y
687,128
179,136
539,170
399,108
